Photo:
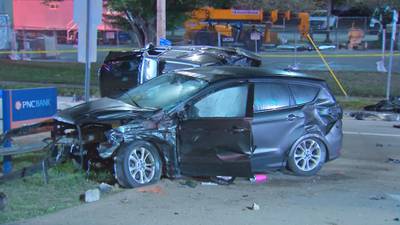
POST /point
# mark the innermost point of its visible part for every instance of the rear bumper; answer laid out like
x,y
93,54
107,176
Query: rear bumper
x,y
334,141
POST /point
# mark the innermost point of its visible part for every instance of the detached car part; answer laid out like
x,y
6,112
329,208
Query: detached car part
x,y
122,71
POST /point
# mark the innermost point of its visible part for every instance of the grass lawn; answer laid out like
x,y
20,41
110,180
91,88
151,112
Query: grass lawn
x,y
30,196
361,84
357,84
46,72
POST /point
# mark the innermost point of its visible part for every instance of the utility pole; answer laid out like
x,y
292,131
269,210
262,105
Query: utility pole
x,y
395,18
328,20
161,20
87,54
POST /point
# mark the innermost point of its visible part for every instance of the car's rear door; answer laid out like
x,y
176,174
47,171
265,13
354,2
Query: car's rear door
x,y
277,123
215,139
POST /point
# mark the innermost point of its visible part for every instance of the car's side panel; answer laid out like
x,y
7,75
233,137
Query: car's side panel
x,y
273,134
215,147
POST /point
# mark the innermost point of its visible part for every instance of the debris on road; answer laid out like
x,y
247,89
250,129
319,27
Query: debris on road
x,y
259,179
92,195
376,197
189,183
391,105
223,180
254,207
3,201
156,189
124,200
105,188
384,116
209,184
396,219
392,160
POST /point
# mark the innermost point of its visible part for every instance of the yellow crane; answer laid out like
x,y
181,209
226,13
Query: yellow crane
x,y
237,25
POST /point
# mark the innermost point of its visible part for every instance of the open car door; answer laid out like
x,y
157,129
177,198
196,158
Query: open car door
x,y
215,138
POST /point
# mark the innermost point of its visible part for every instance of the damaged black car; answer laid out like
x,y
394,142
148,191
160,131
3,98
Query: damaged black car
x,y
209,121
122,71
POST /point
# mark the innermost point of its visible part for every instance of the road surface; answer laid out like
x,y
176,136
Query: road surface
x,y
360,188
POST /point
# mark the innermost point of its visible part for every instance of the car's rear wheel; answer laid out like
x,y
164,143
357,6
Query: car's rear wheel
x,y
307,156
137,164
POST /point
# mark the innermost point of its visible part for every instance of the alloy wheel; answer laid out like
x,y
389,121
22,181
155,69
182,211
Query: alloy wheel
x,y
307,155
142,165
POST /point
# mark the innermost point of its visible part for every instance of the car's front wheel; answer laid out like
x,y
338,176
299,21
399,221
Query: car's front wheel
x,y
137,164
307,156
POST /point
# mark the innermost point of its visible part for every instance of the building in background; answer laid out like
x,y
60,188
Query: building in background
x,y
6,15
38,22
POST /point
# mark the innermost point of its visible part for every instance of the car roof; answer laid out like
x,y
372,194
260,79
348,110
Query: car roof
x,y
218,73
196,55
200,55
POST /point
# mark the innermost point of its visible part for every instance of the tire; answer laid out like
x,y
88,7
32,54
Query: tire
x,y
307,156
130,165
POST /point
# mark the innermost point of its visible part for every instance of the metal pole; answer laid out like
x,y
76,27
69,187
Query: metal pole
x,y
256,45
336,33
328,18
161,20
219,40
389,79
87,64
383,45
295,49
392,40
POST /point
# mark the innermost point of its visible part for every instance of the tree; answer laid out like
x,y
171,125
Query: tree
x,y
139,16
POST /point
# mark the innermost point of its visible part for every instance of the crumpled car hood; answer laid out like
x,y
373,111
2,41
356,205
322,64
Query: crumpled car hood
x,y
104,109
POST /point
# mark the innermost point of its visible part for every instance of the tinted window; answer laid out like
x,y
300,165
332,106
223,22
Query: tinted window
x,y
122,68
303,93
269,96
228,102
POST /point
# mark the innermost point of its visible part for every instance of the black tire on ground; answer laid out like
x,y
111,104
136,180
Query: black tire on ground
x,y
137,164
307,156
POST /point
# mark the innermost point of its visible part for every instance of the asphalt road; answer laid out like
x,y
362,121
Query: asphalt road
x,y
361,188
342,60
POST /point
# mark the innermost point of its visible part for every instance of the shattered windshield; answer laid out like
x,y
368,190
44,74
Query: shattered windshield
x,y
164,91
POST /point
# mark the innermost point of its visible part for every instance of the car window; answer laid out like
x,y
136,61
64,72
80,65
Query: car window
x,y
303,93
270,96
163,92
228,102
170,66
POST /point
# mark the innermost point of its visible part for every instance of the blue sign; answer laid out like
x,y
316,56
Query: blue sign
x,y
31,104
25,106
165,42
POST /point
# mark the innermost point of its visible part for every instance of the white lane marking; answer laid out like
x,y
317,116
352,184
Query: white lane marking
x,y
371,134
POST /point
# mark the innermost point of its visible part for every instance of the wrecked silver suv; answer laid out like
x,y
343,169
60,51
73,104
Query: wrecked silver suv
x,y
215,121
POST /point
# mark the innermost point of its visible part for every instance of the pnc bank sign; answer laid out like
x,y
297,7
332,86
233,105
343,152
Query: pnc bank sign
x,y
26,106
32,104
